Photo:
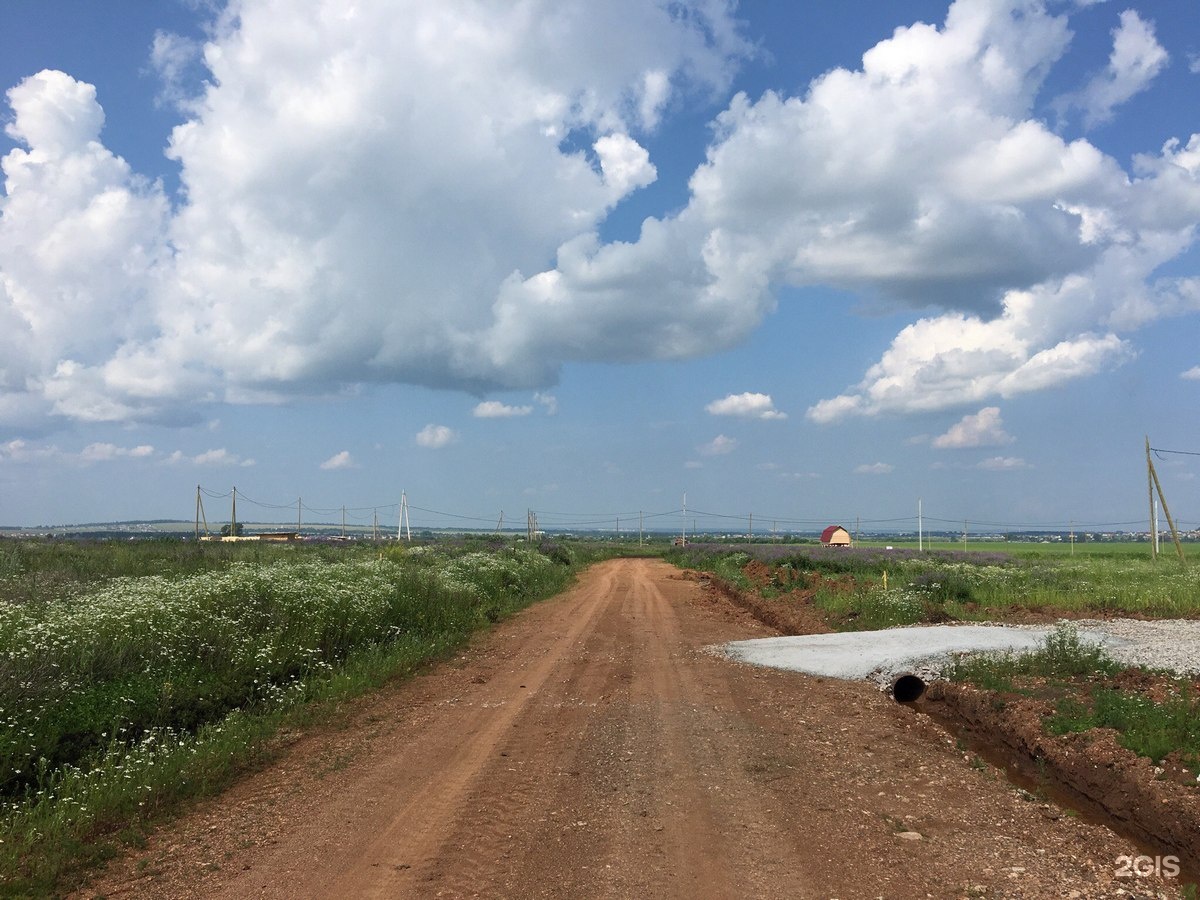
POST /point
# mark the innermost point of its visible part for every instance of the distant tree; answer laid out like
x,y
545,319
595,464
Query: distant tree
x,y
236,531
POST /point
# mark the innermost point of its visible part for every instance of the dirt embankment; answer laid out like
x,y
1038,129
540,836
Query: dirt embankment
x,y
594,747
1091,770
790,613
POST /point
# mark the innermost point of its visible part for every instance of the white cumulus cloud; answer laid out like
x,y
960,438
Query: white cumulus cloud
x,y
340,460
216,457
358,184
983,429
719,446
434,437
494,409
1192,374
415,193
103,452
747,406
1136,59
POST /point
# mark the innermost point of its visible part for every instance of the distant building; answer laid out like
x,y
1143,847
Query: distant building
x,y
274,537
835,536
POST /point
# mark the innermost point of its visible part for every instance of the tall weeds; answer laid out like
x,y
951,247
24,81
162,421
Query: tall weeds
x,y
119,696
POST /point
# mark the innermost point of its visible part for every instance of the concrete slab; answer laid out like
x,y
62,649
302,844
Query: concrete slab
x,y
885,655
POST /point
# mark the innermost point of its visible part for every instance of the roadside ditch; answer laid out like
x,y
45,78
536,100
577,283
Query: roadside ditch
x,y
1087,773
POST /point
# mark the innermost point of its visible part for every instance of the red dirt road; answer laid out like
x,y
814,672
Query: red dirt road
x,y
591,747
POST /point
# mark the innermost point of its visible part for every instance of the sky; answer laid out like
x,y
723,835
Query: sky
x,y
808,263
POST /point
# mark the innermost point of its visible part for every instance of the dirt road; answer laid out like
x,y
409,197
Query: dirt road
x,y
591,747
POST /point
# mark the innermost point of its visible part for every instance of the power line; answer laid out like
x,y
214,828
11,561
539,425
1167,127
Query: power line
x,y
1157,452
565,521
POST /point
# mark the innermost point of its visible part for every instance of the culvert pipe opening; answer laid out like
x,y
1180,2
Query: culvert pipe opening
x,y
907,689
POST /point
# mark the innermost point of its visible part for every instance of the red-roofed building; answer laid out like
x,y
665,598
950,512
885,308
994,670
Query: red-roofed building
x,y
835,536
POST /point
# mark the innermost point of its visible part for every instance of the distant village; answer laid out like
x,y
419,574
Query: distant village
x,y
833,535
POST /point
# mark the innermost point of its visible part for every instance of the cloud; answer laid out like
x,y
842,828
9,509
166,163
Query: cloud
x,y
747,406
415,194
719,446
178,62
217,457
1192,374
494,409
21,451
101,452
357,186
81,236
548,402
879,468
983,429
624,163
1003,464
341,460
1136,60
434,437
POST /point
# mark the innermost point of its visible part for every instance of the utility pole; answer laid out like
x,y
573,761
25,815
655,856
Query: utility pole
x,y
618,528
640,532
920,528
750,533
405,525
198,508
1153,509
531,526
343,520
233,516
683,536
1157,485
500,523
1072,537
298,501
856,525
375,527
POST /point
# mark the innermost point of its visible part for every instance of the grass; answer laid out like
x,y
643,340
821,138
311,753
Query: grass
x,y
1062,655
123,694
1150,728
941,585
1074,670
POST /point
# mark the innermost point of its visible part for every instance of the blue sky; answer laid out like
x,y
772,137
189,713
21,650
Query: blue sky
x,y
810,262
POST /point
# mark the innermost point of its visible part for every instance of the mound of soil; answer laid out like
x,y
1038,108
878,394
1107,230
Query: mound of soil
x,y
1090,770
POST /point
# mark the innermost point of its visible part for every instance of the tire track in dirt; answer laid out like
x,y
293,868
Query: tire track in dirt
x,y
425,786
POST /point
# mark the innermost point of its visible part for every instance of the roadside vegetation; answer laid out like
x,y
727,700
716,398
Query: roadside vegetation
x,y
135,675
865,588
1156,715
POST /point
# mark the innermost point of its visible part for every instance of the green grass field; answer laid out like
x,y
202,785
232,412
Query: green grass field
x,y
134,675
870,586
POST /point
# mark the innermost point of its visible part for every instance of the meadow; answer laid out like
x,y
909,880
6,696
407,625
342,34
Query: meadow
x,y
134,675
868,587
